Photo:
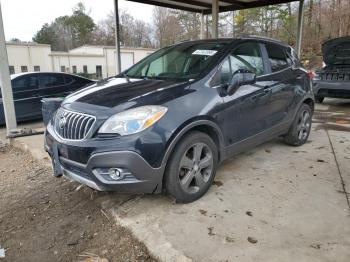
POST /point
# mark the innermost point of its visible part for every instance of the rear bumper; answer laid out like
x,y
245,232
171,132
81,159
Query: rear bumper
x,y
340,89
140,178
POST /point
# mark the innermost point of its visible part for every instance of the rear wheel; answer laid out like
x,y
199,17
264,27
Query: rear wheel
x,y
319,99
300,129
192,167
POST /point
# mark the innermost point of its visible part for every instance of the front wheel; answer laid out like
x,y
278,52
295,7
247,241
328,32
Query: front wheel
x,y
192,167
301,127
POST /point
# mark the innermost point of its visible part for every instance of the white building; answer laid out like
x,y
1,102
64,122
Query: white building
x,y
97,61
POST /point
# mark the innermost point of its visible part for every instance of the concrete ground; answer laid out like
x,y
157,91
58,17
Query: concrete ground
x,y
273,203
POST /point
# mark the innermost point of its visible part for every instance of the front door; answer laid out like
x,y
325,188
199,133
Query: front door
x,y
245,112
26,96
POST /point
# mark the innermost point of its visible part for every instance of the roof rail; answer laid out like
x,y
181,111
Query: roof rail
x,y
182,41
248,36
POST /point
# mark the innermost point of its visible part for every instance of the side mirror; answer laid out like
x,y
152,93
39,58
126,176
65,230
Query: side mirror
x,y
239,78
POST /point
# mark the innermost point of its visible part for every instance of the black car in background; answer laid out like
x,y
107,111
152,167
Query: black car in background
x,y
29,88
334,79
168,121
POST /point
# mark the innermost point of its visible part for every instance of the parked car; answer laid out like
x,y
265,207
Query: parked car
x,y
29,88
333,80
168,121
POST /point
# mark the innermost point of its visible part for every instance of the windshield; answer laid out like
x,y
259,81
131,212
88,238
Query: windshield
x,y
183,61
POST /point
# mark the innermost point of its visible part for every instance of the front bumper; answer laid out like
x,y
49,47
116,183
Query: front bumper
x,y
336,89
141,178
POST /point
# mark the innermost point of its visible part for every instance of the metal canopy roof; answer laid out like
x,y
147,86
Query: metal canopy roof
x,y
205,6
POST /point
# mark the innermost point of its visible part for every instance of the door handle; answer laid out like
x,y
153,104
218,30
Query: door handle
x,y
265,92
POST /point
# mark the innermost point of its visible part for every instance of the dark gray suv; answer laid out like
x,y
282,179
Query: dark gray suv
x,y
168,121
334,79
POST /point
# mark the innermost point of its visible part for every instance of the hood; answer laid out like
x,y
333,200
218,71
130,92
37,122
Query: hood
x,y
337,51
112,92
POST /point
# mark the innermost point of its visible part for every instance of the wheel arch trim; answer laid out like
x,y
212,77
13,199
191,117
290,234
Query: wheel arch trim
x,y
191,126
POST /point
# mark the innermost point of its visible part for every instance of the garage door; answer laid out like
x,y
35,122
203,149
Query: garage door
x,y
127,60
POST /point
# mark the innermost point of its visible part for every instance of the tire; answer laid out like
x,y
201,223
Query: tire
x,y
300,130
185,179
319,99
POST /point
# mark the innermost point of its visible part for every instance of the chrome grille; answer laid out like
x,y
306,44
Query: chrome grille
x,y
72,125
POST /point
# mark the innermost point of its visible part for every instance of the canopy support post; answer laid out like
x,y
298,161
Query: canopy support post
x,y
5,82
215,18
202,26
300,26
117,38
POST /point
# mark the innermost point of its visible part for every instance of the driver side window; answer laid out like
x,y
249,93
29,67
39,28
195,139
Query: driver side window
x,y
245,56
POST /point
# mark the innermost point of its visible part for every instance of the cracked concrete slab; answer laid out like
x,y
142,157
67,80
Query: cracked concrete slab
x,y
285,198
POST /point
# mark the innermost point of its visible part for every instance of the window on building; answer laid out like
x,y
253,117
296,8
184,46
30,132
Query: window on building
x,y
74,69
24,69
85,69
99,71
36,68
51,80
277,57
12,70
63,69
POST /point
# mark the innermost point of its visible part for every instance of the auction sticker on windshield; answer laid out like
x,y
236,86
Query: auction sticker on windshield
x,y
204,52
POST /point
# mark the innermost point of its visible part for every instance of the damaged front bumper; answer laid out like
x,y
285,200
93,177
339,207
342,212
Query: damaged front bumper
x,y
135,175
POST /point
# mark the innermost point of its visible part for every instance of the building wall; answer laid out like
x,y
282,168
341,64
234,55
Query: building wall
x,y
29,55
32,54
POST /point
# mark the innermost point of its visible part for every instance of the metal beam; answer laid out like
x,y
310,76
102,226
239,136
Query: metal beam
x,y
5,82
167,5
237,5
117,38
194,3
215,18
300,26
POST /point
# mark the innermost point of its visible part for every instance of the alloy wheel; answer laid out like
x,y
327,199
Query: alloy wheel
x,y
196,167
304,125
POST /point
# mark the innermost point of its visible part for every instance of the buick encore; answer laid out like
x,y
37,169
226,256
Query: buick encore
x,y
166,123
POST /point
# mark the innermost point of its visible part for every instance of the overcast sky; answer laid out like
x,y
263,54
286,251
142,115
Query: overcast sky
x,y
23,18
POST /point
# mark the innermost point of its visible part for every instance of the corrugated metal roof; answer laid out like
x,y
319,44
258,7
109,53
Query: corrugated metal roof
x,y
204,6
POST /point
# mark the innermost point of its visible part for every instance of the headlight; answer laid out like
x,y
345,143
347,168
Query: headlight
x,y
133,120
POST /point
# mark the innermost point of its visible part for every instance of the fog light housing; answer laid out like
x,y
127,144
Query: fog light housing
x,y
115,173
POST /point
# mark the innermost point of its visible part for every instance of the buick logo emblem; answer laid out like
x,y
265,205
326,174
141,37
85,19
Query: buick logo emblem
x,y
62,121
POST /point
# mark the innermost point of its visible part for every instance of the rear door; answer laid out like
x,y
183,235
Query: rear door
x,y
26,96
281,81
52,85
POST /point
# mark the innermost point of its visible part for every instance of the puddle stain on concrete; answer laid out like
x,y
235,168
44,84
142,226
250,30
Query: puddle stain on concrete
x,y
335,127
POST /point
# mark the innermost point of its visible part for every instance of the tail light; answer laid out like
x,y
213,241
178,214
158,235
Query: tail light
x,y
311,74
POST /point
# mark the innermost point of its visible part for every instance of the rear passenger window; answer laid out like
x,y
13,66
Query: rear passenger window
x,y
277,57
51,80
69,80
